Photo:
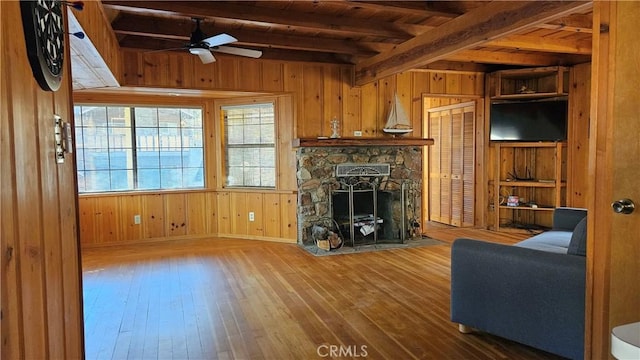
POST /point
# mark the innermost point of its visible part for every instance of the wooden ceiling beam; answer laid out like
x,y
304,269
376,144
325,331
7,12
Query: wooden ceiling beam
x,y
513,58
178,30
572,23
413,8
474,28
536,43
252,14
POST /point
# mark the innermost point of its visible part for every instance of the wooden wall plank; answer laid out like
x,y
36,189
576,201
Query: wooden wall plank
x,y
313,114
108,219
293,83
255,205
228,71
249,74
130,206
271,218
238,212
196,213
224,213
272,76
211,215
288,213
332,99
351,99
286,177
387,88
578,136
87,208
369,109
153,216
175,214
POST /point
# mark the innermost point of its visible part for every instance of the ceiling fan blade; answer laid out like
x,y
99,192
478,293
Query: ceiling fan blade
x,y
219,39
238,51
204,54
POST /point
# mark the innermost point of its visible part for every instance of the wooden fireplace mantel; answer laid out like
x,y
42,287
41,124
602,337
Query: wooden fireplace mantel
x,y
361,141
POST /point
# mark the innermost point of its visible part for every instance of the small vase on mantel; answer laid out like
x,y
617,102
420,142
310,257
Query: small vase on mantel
x,y
335,128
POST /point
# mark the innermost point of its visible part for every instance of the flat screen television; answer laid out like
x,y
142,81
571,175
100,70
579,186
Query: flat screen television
x,y
537,120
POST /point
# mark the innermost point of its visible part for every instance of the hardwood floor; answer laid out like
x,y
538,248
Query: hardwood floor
x,y
235,299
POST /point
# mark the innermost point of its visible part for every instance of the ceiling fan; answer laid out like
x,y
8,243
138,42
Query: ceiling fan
x,y
203,46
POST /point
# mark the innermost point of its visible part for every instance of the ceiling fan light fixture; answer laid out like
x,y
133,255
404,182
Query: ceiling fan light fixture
x,y
198,51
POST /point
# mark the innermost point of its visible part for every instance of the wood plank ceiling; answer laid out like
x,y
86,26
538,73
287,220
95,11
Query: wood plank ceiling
x,y
378,37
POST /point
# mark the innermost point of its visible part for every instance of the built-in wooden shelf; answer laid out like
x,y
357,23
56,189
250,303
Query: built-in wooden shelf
x,y
361,141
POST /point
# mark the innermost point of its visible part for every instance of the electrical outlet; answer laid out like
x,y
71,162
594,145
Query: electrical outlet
x,y
252,216
136,219
357,133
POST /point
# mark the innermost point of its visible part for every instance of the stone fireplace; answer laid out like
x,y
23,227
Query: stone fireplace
x,y
322,195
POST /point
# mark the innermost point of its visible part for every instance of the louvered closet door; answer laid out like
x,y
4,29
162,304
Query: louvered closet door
x,y
451,164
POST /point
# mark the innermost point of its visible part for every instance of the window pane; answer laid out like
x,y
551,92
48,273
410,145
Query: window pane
x,y
95,138
77,116
146,117
252,157
169,117
98,180
267,177
121,179
251,176
120,138
148,159
170,178
193,177
96,160
192,138
149,179
94,116
252,134
81,182
79,155
147,139
192,157
171,158
235,134
120,159
268,157
168,148
267,134
192,118
250,145
170,138
235,176
119,117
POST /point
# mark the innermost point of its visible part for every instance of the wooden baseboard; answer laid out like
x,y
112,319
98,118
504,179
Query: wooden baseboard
x,y
187,237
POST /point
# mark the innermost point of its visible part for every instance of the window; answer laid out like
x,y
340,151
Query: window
x,y
121,148
249,133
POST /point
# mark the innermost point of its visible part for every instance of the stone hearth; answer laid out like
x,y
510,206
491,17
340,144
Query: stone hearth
x,y
317,181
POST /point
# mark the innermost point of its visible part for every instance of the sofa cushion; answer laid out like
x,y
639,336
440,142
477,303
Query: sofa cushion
x,y
578,243
549,241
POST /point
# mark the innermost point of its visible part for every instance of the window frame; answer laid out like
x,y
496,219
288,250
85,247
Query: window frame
x,y
222,150
155,104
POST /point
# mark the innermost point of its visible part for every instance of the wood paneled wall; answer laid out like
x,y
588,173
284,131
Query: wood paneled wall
x,y
308,96
40,274
109,219
321,91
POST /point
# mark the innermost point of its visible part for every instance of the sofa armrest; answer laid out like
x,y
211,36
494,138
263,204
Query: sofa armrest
x,y
529,296
566,218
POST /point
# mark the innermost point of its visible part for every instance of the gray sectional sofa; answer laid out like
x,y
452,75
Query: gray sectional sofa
x,y
532,292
